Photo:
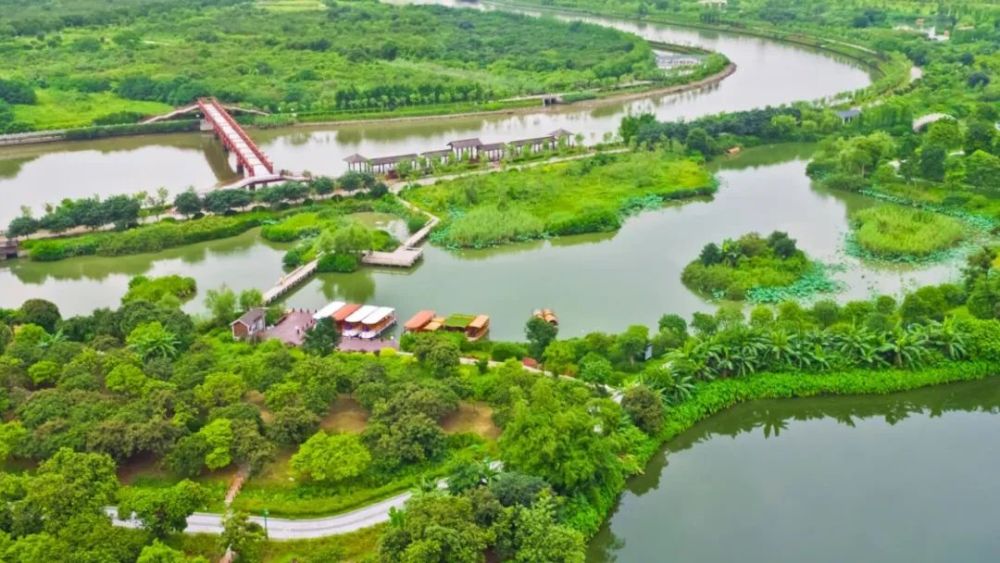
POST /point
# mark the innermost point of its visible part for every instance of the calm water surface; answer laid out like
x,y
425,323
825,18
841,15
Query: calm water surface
x,y
599,282
907,478
770,73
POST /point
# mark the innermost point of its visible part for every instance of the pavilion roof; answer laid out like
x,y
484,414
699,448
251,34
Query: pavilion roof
x,y
534,141
442,152
356,159
465,143
392,159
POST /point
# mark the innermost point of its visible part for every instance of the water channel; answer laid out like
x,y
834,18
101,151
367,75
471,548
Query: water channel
x,y
899,478
769,73
762,190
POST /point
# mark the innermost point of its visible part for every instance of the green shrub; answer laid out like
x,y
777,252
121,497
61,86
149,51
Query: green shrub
x,y
503,351
338,263
752,267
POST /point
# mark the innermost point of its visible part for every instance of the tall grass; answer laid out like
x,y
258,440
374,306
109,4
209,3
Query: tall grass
x,y
489,226
888,231
582,196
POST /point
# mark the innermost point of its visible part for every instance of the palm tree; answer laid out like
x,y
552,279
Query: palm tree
x,y
948,337
906,347
778,347
860,347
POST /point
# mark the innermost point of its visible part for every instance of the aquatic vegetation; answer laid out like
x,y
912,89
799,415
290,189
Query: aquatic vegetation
x,y
756,269
894,232
587,195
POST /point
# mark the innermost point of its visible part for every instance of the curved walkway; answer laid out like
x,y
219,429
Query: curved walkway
x,y
286,529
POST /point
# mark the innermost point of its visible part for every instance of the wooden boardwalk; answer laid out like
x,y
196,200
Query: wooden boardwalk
x,y
409,252
290,281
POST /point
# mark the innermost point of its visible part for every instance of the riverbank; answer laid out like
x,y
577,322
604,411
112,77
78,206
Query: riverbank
x,y
873,59
512,107
713,397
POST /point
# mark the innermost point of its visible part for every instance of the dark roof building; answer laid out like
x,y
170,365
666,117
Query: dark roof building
x,y
465,144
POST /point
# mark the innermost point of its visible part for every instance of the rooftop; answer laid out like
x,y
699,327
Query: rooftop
x,y
250,317
392,159
356,159
465,143
419,320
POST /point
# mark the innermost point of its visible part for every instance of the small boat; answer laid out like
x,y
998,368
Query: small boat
x,y
478,328
546,315
352,324
419,321
378,322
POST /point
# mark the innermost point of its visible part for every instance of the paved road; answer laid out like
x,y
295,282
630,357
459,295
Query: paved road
x,y
285,529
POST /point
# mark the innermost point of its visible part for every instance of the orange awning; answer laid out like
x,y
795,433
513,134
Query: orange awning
x,y
479,322
345,311
419,320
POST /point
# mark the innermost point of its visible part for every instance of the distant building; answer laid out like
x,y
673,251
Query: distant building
x,y
250,324
848,115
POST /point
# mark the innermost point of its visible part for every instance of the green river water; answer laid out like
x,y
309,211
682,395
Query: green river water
x,y
904,478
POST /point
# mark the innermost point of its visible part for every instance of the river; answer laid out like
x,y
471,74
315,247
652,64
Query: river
x,y
594,282
906,478
640,265
769,73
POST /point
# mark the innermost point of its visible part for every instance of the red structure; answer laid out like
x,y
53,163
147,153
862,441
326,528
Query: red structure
x,y
250,160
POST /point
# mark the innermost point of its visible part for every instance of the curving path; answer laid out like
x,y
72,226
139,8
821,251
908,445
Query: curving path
x,y
286,529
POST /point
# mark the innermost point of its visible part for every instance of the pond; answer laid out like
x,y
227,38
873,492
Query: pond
x,y
899,478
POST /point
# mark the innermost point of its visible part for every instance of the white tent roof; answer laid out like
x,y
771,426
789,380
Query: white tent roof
x,y
361,314
329,310
378,315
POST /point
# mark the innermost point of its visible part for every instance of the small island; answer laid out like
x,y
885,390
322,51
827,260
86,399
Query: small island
x,y
900,234
757,269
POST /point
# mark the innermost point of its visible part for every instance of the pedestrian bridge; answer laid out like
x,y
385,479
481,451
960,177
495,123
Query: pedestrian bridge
x,y
251,162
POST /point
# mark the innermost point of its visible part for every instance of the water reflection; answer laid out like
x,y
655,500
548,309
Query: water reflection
x,y
32,175
872,478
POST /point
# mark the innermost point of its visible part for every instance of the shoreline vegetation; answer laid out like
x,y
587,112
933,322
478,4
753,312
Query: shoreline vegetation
x,y
757,270
147,383
416,115
511,60
593,194
902,234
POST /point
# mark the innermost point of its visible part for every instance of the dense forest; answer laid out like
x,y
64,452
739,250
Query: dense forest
x,y
120,62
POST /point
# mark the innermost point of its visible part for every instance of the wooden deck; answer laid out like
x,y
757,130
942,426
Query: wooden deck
x,y
402,257
290,281
408,253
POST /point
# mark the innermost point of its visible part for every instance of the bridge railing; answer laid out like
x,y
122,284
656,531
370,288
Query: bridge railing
x,y
239,131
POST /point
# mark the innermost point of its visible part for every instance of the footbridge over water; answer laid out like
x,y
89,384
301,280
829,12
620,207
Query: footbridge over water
x,y
251,162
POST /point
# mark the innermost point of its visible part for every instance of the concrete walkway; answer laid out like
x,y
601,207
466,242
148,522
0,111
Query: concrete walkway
x,y
286,529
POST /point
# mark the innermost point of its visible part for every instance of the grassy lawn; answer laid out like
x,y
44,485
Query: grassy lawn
x,y
893,232
356,546
587,195
61,109
305,57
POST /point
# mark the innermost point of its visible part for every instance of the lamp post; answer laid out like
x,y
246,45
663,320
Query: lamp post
x,y
265,522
